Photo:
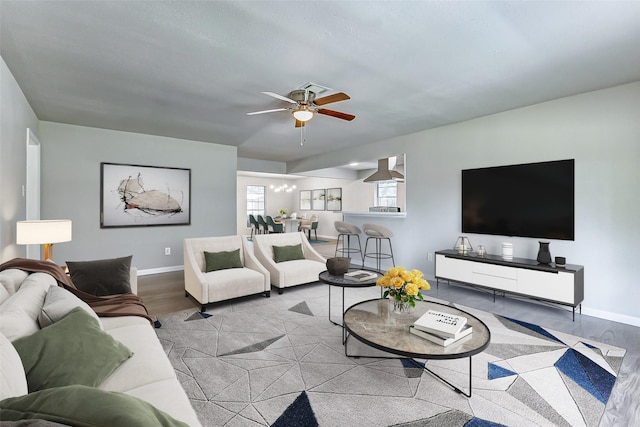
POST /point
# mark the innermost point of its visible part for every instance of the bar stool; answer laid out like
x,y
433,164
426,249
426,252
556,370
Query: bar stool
x,y
346,229
379,233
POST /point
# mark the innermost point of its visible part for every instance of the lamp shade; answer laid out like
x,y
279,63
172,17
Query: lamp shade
x,y
43,231
303,114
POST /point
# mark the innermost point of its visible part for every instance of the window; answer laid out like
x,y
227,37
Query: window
x,y
387,193
255,201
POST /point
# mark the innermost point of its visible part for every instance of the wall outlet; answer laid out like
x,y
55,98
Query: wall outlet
x,y
430,257
167,251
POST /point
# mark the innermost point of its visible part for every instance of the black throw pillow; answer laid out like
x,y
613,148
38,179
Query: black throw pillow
x,y
102,277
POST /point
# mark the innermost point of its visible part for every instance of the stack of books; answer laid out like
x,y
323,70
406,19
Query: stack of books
x,y
360,275
441,328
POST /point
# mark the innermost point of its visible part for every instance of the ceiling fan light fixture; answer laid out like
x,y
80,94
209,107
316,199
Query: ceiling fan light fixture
x,y
303,114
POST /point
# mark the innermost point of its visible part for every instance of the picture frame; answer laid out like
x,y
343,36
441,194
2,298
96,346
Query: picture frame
x,y
334,199
142,196
305,200
318,199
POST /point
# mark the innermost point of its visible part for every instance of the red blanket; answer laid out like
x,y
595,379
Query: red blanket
x,y
105,306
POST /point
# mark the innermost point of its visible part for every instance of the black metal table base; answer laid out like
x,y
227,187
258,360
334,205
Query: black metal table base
x,y
344,331
454,387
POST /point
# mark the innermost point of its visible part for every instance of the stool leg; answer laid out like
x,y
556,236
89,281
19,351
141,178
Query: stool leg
x,y
360,246
337,244
366,244
378,252
391,251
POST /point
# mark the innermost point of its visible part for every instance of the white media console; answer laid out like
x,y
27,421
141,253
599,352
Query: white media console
x,y
546,282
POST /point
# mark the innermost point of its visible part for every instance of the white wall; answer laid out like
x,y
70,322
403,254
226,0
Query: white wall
x,y
71,157
600,130
16,116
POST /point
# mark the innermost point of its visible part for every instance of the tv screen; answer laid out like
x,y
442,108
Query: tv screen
x,y
528,200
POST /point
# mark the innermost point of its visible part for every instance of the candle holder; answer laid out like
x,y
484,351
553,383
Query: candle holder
x,y
463,246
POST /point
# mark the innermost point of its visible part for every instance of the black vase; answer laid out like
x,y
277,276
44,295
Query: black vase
x,y
544,256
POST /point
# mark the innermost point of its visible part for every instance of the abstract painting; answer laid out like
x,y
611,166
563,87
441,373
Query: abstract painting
x,y
305,200
139,196
334,199
318,200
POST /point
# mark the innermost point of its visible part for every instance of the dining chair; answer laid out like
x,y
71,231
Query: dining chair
x,y
276,227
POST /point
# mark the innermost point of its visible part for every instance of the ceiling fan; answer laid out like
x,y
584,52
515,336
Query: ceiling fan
x,y
306,105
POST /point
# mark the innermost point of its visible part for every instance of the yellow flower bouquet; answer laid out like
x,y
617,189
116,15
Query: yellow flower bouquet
x,y
403,287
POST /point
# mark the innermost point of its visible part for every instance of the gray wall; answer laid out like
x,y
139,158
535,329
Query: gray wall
x,y
71,157
600,130
16,116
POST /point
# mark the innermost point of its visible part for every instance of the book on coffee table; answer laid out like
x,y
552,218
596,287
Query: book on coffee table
x,y
360,275
442,324
443,341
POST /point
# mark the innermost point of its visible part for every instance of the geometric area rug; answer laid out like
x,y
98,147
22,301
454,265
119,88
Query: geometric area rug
x,y
279,362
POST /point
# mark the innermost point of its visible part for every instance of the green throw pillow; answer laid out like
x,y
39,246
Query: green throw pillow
x,y
73,350
287,253
77,405
222,260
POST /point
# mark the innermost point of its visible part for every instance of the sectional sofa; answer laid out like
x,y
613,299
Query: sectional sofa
x,y
59,359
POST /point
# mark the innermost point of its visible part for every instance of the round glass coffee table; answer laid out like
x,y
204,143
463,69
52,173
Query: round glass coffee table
x,y
342,282
373,323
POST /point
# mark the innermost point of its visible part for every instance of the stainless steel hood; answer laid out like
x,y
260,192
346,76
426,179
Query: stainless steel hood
x,y
384,173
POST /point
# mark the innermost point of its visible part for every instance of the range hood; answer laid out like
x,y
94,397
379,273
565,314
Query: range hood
x,y
384,174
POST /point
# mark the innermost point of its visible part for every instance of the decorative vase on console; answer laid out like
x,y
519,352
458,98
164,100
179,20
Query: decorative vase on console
x,y
544,256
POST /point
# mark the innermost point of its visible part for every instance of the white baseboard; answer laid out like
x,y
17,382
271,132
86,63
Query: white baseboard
x,y
160,270
615,317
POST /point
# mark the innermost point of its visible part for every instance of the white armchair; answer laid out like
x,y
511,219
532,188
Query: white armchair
x,y
225,284
288,273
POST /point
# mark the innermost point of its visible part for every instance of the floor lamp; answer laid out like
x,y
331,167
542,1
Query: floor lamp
x,y
43,232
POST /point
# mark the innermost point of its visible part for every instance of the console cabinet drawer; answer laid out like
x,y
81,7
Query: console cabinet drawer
x,y
557,287
454,269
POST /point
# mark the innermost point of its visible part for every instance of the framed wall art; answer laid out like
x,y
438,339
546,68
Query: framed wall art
x,y
139,196
318,198
305,200
334,199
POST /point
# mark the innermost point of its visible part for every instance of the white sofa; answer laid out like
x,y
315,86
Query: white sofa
x,y
221,285
288,273
147,375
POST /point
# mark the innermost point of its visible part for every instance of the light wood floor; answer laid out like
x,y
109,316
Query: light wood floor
x,y
164,293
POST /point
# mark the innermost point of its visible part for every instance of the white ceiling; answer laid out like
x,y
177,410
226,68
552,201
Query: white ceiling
x,y
194,69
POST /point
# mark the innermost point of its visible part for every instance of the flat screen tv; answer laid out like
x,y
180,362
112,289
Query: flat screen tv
x,y
527,200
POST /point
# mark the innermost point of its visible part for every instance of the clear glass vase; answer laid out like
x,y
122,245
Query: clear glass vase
x,y
400,307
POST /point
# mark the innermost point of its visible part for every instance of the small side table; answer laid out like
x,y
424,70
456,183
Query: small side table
x,y
343,283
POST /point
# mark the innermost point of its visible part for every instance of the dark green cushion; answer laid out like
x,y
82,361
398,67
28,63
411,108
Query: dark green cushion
x,y
287,253
102,277
77,405
74,350
222,260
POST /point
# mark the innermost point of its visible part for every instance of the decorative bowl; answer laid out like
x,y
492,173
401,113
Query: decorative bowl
x,y
338,266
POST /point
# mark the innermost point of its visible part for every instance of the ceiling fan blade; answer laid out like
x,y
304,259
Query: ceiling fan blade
x,y
340,96
336,114
280,97
266,111
299,124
